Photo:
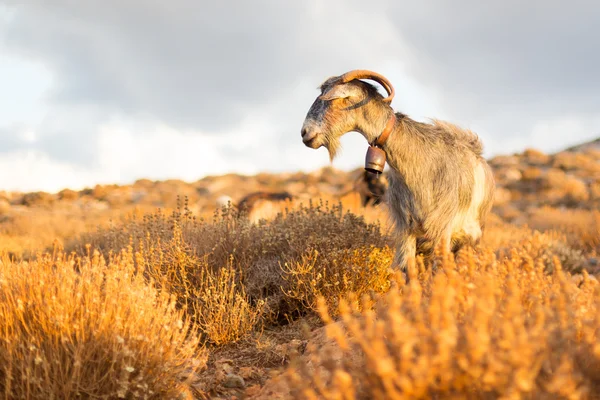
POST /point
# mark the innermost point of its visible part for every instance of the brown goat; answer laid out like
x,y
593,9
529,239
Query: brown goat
x,y
440,186
260,205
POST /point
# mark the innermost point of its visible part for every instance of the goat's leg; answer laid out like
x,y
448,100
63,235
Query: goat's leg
x,y
405,253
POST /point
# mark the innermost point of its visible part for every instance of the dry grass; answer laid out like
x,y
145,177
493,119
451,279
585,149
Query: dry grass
x,y
478,328
83,328
265,271
581,227
29,230
362,271
177,299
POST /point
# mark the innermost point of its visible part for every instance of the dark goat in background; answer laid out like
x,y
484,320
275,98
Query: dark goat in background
x,y
371,188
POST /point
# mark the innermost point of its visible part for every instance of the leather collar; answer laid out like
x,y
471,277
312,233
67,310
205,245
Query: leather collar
x,y
389,127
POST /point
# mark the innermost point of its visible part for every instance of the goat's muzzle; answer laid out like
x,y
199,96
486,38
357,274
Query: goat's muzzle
x,y
309,136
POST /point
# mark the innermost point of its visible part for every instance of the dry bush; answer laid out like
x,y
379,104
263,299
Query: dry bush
x,y
83,328
362,271
5,206
595,189
185,250
37,199
68,195
214,298
535,157
575,161
531,174
477,329
581,227
29,230
562,188
542,244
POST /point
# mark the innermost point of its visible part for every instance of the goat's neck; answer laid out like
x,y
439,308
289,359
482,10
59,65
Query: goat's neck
x,y
372,119
400,147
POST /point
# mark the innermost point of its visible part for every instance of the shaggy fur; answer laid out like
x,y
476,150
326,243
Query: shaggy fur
x,y
440,187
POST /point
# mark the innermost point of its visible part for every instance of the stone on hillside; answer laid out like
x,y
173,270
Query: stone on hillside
x,y
234,382
502,196
504,161
536,157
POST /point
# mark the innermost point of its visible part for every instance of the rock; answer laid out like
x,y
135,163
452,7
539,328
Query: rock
x,y
252,390
531,174
504,161
511,175
502,196
536,157
234,381
138,195
249,372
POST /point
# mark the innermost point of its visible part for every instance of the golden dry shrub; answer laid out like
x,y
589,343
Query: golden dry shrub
x,y
581,163
41,199
68,195
361,271
531,174
544,244
565,188
535,157
99,192
580,227
83,328
5,206
477,329
595,189
255,251
214,298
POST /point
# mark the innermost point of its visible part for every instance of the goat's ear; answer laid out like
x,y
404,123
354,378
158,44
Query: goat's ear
x,y
340,92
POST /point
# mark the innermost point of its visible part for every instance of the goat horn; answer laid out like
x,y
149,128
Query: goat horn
x,y
366,74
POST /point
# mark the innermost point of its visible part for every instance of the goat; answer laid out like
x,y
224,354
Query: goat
x,y
257,205
260,204
441,188
371,188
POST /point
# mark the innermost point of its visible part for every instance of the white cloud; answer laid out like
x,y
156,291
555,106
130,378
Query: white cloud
x,y
34,170
564,131
98,94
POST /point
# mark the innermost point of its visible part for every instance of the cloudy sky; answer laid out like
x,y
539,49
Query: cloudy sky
x,y
97,93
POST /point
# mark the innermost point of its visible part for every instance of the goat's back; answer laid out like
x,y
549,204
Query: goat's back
x,y
250,201
460,137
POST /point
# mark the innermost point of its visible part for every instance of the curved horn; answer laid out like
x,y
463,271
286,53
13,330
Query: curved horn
x,y
366,74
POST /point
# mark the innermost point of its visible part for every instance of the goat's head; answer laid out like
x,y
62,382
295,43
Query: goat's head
x,y
337,109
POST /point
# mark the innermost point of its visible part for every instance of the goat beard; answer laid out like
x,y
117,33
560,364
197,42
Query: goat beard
x,y
333,147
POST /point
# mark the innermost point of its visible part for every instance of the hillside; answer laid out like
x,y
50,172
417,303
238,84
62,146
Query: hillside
x,y
150,290
526,182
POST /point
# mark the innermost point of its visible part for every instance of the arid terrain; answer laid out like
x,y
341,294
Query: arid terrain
x,y
151,290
